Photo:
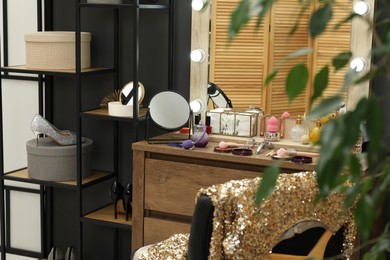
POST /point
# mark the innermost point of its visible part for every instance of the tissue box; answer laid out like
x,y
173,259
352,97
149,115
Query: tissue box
x,y
233,122
49,161
56,50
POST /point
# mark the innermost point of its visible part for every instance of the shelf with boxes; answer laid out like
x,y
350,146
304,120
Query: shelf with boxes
x,y
102,215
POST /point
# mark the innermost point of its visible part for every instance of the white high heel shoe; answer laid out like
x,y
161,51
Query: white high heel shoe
x,y
42,126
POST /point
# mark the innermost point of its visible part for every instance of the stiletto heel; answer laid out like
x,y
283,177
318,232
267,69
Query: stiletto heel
x,y
62,137
71,253
56,254
116,195
127,199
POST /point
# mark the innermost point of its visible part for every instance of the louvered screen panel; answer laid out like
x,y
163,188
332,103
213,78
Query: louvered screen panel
x,y
237,67
331,43
284,15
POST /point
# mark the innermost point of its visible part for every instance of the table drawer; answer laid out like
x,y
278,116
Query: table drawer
x,y
171,186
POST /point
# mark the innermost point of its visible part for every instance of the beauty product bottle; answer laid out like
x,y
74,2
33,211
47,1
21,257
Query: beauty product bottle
x,y
272,134
315,133
298,130
282,118
199,136
209,128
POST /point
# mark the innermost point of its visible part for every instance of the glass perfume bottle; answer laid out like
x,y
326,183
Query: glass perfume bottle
x,y
199,136
315,133
298,130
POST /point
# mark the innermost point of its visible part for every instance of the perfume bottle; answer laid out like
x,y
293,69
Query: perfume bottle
x,y
298,130
199,136
272,134
315,133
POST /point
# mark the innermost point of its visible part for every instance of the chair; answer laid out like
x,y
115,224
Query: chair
x,y
226,223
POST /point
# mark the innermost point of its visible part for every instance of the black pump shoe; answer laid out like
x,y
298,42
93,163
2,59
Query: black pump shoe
x,y
116,195
127,199
56,254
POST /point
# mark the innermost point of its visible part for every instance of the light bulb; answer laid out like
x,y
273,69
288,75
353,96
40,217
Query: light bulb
x,y
196,105
198,5
358,64
197,55
361,8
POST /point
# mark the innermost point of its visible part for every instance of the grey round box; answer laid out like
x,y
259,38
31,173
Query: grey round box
x,y
49,161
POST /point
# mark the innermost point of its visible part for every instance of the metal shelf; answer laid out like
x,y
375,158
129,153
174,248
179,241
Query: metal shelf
x,y
105,217
71,72
102,113
22,176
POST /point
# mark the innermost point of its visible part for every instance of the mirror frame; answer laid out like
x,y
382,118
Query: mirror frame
x,y
361,44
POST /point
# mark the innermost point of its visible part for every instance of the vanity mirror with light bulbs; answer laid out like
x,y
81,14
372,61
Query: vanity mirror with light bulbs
x,y
240,67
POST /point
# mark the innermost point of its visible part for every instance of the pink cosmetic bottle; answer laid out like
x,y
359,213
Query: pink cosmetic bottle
x,y
272,134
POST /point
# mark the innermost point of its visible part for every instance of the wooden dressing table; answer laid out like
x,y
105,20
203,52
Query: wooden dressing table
x,y
166,180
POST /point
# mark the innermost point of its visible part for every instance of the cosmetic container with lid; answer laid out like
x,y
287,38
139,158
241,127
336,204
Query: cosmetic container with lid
x,y
199,136
272,134
298,130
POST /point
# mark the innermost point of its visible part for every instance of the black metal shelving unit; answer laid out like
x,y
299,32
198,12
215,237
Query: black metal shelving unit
x,y
44,79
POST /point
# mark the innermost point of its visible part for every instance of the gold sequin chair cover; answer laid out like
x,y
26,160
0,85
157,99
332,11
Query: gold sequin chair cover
x,y
243,230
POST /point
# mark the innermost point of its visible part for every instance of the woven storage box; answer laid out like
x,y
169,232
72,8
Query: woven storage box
x,y
56,50
49,161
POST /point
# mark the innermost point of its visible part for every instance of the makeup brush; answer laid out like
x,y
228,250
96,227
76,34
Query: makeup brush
x,y
225,145
286,153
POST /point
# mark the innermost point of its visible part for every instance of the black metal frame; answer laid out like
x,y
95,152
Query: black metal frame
x,y
44,95
44,80
136,6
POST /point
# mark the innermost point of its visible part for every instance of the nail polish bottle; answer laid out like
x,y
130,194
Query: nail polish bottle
x,y
298,130
272,134
209,128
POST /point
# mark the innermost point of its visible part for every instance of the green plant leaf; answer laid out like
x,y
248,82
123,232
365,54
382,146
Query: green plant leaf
x,y
349,78
320,83
266,5
341,60
296,81
270,77
351,195
355,168
326,106
268,182
372,73
332,159
239,18
346,20
375,131
365,215
320,19
299,52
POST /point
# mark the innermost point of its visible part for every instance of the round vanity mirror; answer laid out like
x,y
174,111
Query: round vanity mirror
x,y
126,96
169,110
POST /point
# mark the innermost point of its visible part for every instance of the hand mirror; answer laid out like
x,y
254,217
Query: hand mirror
x,y
170,111
127,93
218,97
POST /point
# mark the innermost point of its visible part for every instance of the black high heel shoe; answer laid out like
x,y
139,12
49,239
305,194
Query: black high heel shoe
x,y
116,195
127,199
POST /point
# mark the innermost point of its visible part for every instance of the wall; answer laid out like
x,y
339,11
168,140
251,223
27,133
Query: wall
x,y
19,99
